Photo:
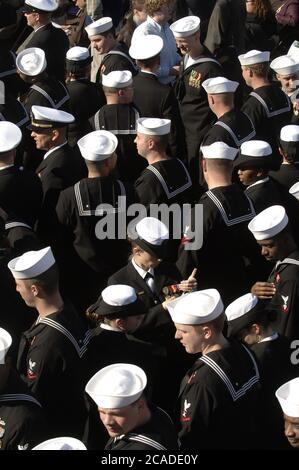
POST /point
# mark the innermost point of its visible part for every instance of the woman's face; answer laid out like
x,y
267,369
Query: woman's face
x,y
145,260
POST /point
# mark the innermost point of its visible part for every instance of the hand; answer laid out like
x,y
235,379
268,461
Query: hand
x,y
296,108
190,284
263,290
170,299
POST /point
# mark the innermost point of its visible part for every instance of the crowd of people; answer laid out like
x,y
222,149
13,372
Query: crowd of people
x,y
149,224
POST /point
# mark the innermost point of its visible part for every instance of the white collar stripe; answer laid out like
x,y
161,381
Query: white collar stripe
x,y
145,440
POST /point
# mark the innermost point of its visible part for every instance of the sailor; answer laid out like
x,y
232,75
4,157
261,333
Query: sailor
x,y
272,232
92,258
119,116
221,388
267,106
53,41
132,423
61,443
61,167
287,73
233,126
152,98
287,395
21,417
50,352
198,65
101,34
288,173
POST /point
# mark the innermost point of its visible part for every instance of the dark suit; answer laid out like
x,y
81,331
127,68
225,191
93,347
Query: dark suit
x,y
61,169
153,99
20,193
55,44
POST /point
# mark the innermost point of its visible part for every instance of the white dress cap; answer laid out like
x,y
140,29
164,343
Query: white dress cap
x,y
153,126
290,133
119,294
146,47
196,308
185,26
97,145
240,306
5,343
31,264
285,65
294,50
31,61
116,386
152,230
219,150
254,57
61,443
117,79
10,136
219,85
288,397
100,26
268,223
43,113
77,53
43,5
294,190
256,148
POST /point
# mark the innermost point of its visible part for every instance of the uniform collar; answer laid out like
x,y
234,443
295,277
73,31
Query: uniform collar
x,y
141,271
53,149
264,180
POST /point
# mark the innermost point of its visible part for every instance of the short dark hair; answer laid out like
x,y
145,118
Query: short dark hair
x,y
261,70
47,281
149,62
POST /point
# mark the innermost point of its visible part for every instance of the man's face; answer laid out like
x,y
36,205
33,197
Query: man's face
x,y
191,338
270,249
291,430
25,292
102,44
142,142
42,139
247,177
288,82
246,75
31,18
186,44
119,421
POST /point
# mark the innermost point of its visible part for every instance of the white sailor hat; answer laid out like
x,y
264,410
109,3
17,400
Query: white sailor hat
x,y
97,145
290,133
61,443
219,85
5,343
185,27
40,5
153,126
288,397
77,54
10,136
117,385
285,65
268,223
294,49
243,311
32,263
196,308
117,79
151,235
294,190
219,150
100,26
31,61
118,299
146,47
43,118
254,153
254,57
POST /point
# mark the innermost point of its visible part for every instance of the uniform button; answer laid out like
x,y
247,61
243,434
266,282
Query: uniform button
x,y
156,301
87,205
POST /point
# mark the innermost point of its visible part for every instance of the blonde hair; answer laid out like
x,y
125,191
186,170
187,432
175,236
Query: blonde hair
x,y
151,6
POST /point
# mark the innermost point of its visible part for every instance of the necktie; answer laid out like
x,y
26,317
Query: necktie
x,y
149,279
